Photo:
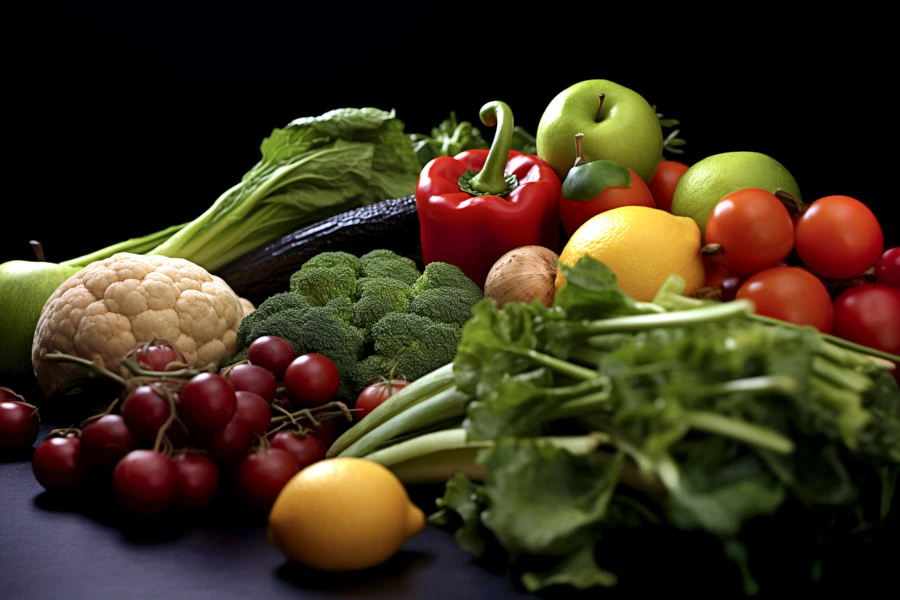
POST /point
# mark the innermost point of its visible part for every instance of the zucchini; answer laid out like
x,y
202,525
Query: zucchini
x,y
392,224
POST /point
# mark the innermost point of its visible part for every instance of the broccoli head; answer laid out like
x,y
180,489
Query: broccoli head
x,y
417,344
321,284
444,275
333,259
373,368
379,296
387,263
446,305
342,308
272,305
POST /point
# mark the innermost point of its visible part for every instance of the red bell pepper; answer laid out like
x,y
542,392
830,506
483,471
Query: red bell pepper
x,y
476,206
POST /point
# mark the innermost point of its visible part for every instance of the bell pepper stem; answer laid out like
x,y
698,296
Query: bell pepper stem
x,y
492,177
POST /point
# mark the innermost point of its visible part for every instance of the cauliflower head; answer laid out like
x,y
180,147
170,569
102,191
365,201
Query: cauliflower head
x,y
113,305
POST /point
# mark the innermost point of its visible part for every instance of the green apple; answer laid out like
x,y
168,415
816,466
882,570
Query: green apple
x,y
618,125
25,286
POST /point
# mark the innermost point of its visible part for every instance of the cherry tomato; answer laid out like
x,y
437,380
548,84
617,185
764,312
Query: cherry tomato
x,y
326,432
253,378
662,184
254,410
573,213
57,463
887,267
262,474
145,481
229,443
206,402
306,449
197,480
790,294
838,237
271,352
145,411
19,422
752,229
105,441
156,356
311,380
376,393
869,314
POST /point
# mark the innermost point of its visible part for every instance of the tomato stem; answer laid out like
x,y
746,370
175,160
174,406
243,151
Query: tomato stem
x,y
711,249
794,205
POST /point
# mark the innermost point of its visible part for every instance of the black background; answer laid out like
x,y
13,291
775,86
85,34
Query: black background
x,y
128,117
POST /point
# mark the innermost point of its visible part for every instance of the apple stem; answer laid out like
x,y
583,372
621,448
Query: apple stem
x,y
601,97
579,153
38,250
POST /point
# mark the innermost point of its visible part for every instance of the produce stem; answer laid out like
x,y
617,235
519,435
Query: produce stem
x,y
739,430
705,314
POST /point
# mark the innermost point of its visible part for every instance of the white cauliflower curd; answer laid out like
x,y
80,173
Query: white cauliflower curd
x,y
114,305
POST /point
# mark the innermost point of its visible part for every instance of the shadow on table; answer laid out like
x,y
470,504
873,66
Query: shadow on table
x,y
387,578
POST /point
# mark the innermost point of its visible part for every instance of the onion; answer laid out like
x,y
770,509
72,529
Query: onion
x,y
523,274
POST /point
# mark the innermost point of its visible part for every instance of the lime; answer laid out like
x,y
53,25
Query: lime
x,y
709,180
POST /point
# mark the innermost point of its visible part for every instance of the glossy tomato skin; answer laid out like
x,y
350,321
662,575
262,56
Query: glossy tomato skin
x,y
311,380
197,480
206,402
887,267
262,474
790,294
665,179
145,481
753,229
376,393
838,237
57,463
573,213
306,449
19,424
869,314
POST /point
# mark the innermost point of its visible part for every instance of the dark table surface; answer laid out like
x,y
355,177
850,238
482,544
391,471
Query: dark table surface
x,y
66,548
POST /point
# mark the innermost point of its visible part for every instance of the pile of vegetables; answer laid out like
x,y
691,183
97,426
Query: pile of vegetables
x,y
376,316
601,440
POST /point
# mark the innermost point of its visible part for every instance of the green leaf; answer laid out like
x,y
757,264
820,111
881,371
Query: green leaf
x,y
578,570
589,180
544,500
591,291
460,509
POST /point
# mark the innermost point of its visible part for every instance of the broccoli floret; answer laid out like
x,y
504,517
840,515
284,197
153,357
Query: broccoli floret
x,y
342,308
387,263
373,368
444,275
272,305
321,284
333,259
417,344
379,296
446,304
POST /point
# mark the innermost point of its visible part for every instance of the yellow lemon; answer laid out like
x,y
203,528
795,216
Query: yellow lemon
x,y
343,514
642,246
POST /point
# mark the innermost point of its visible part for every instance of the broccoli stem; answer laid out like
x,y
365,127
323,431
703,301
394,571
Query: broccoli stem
x,y
739,430
415,392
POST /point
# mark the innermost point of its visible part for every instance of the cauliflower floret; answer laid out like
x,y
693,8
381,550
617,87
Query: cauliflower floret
x,y
114,305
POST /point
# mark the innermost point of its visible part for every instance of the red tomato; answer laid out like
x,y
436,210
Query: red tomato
x,y
573,213
838,237
790,294
311,380
376,393
887,267
662,185
869,314
753,230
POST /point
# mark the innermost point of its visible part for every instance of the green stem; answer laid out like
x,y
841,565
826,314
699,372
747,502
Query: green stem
x,y
492,177
739,430
434,409
841,376
557,364
577,407
705,314
777,384
139,245
417,391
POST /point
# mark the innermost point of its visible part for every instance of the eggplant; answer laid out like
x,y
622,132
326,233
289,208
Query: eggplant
x,y
392,224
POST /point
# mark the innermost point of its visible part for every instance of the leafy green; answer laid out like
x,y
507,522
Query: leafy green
x,y
731,441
